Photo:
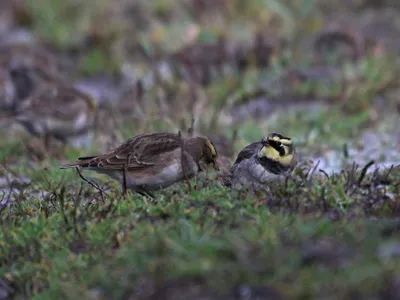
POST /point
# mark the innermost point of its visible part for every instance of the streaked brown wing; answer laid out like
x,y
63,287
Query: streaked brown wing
x,y
68,103
138,152
152,145
58,102
39,103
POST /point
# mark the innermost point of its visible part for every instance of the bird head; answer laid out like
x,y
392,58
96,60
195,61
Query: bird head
x,y
278,148
210,154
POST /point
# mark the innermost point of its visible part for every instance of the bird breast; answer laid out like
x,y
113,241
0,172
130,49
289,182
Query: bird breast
x,y
250,171
262,174
167,177
157,177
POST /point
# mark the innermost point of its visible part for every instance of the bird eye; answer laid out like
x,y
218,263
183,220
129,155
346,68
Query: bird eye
x,y
278,143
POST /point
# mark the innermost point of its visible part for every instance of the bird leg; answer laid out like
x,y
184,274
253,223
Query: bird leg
x,y
124,172
184,162
124,185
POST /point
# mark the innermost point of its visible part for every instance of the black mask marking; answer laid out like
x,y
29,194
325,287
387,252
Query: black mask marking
x,y
277,146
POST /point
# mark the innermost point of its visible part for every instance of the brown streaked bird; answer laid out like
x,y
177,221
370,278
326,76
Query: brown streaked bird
x,y
27,80
27,67
153,161
15,55
260,163
57,111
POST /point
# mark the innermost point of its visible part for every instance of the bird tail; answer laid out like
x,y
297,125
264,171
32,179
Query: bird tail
x,y
81,163
70,165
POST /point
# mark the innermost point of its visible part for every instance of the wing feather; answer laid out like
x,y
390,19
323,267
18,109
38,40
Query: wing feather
x,y
138,152
246,153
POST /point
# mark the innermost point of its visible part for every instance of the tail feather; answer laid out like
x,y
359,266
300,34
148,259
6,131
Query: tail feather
x,y
71,165
86,157
81,163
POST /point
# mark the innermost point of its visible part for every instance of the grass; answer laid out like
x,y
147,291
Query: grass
x,y
70,241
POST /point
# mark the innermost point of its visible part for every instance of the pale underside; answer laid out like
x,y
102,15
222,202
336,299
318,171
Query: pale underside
x,y
251,173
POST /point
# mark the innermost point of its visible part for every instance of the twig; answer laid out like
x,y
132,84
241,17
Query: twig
x,y
345,151
214,121
77,202
3,205
61,199
324,172
352,174
93,184
191,128
324,204
108,209
384,179
364,171
310,179
234,135
4,202
311,174
11,187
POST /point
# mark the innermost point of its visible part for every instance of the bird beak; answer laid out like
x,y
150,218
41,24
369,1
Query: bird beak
x,y
264,142
215,165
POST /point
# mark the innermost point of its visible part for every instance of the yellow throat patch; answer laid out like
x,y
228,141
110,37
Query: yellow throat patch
x,y
212,148
271,153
